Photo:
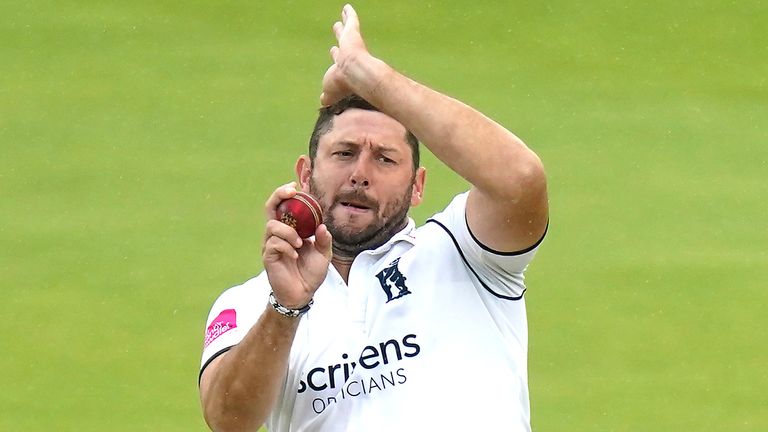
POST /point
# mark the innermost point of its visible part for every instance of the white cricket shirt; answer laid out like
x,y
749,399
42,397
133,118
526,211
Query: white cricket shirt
x,y
430,333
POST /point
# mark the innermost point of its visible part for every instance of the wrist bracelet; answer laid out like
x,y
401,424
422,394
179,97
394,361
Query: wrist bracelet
x,y
282,310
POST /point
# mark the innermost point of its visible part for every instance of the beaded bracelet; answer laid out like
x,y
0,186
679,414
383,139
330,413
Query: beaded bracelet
x,y
282,310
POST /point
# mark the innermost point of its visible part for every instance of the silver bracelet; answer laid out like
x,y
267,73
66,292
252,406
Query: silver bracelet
x,y
282,310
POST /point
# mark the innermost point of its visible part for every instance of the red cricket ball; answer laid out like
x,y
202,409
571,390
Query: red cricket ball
x,y
302,213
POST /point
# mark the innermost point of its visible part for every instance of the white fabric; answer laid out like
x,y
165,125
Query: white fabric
x,y
449,355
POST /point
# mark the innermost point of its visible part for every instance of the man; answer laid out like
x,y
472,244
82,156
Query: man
x,y
373,324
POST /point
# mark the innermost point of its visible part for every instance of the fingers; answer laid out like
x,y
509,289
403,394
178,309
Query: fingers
x,y
349,23
283,192
349,16
332,87
328,98
324,241
350,45
280,240
275,229
276,248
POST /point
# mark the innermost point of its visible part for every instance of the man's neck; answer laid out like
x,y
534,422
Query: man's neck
x,y
342,264
343,257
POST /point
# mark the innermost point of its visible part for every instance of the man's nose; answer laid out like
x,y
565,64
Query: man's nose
x,y
360,176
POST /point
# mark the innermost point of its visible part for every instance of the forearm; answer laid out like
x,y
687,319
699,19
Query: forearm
x,y
486,154
245,384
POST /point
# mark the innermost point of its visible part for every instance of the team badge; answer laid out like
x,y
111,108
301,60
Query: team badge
x,y
393,282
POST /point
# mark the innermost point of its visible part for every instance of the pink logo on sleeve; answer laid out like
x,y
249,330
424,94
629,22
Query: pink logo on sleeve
x,y
226,321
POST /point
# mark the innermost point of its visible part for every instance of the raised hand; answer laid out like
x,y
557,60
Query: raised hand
x,y
338,80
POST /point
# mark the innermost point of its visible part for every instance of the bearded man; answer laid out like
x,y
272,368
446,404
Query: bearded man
x,y
374,324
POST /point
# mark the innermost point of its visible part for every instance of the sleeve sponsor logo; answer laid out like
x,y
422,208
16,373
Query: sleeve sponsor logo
x,y
224,322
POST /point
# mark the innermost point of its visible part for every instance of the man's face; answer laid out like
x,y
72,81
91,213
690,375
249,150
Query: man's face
x,y
363,177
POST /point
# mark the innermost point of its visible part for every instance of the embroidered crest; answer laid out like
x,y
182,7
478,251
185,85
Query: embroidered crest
x,y
393,282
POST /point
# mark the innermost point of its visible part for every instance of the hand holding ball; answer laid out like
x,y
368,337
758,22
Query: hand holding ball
x,y
302,213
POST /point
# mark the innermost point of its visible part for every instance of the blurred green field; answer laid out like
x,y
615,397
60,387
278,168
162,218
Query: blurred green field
x,y
139,139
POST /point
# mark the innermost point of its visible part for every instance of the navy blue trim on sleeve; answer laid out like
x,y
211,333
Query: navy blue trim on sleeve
x,y
495,252
213,357
463,258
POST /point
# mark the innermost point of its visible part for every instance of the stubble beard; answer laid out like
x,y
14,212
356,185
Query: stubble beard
x,y
347,243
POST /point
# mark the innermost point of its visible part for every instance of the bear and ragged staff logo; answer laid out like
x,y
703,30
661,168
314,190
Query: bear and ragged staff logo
x,y
393,281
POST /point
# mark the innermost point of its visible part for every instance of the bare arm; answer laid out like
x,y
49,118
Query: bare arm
x,y
507,208
240,388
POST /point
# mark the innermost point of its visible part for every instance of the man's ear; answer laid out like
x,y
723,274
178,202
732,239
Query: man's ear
x,y
417,194
303,171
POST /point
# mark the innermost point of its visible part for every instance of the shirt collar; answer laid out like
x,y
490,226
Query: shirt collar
x,y
407,234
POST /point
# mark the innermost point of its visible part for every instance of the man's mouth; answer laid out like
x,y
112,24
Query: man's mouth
x,y
354,205
356,202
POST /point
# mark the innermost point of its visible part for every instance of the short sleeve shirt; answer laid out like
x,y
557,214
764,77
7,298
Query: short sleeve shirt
x,y
429,333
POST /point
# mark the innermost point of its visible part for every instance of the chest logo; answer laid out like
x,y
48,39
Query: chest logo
x,y
393,282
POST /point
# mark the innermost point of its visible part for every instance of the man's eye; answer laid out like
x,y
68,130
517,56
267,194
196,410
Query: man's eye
x,y
386,160
343,153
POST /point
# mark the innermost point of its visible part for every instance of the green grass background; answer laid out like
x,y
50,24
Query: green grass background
x,y
138,141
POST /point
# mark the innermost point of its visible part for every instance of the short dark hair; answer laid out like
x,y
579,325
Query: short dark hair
x,y
324,124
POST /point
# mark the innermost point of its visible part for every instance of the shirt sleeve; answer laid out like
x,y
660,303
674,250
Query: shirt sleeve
x,y
500,272
232,316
